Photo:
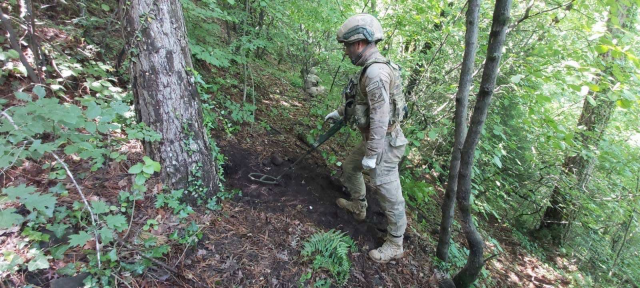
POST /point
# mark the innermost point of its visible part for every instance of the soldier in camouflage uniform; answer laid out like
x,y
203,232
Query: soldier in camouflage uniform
x,y
312,83
375,105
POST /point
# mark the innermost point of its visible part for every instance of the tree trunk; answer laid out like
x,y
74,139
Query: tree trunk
x,y
475,261
15,45
595,116
166,98
462,100
416,72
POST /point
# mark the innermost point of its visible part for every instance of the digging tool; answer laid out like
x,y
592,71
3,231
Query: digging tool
x,y
267,179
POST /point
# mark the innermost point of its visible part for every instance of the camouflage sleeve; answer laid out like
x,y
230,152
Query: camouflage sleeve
x,y
341,109
376,84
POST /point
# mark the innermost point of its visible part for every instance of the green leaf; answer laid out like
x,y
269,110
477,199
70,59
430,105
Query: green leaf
x,y
8,219
594,87
13,54
39,262
119,107
91,127
140,179
105,7
591,100
23,96
32,200
58,229
99,207
106,235
117,222
39,90
148,169
113,255
135,169
156,166
516,78
602,49
93,110
624,103
433,134
496,160
57,252
58,189
68,270
43,203
96,86
79,239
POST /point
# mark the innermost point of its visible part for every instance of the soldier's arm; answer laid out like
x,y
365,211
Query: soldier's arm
x,y
376,85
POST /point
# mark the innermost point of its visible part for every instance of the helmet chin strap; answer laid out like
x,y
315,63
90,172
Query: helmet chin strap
x,y
357,59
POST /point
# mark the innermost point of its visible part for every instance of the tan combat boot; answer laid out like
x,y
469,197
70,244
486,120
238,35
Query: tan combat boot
x,y
357,207
391,249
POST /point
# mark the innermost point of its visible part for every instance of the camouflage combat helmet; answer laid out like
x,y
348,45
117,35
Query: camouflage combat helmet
x,y
313,71
360,27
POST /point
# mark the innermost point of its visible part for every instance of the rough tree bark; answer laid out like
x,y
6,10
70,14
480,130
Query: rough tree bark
x,y
166,98
475,261
462,100
594,119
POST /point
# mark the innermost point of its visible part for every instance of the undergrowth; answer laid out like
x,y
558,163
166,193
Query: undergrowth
x,y
330,251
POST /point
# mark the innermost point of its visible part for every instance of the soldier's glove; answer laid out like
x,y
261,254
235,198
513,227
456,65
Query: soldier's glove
x,y
333,115
369,162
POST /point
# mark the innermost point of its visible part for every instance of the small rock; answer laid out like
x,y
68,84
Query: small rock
x,y
265,162
276,160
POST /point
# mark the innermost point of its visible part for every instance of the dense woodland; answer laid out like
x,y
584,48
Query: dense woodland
x,y
129,129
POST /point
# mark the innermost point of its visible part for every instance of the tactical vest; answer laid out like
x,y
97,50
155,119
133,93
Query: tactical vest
x,y
359,112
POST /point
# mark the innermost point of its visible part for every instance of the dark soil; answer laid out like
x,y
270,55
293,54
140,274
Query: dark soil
x,y
274,221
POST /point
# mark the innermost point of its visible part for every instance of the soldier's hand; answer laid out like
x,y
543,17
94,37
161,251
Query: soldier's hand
x,y
369,162
333,115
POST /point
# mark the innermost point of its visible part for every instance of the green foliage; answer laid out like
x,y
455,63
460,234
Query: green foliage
x,y
329,250
143,172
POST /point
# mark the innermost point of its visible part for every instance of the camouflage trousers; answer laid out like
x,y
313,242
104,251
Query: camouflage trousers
x,y
385,177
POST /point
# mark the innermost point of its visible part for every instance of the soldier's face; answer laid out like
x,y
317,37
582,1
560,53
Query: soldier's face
x,y
352,49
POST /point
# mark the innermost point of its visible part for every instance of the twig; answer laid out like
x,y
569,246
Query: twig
x,y
133,209
16,46
155,261
336,74
490,257
66,168
116,276
185,249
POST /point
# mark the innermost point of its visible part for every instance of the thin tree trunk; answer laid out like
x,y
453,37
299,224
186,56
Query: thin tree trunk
x,y
462,100
475,261
166,98
595,116
624,240
15,45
